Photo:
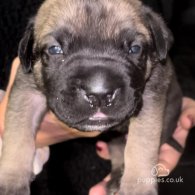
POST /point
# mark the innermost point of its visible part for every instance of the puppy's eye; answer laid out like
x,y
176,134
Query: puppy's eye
x,y
135,49
54,50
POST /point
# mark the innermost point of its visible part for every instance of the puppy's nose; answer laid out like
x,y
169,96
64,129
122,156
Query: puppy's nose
x,y
101,99
99,86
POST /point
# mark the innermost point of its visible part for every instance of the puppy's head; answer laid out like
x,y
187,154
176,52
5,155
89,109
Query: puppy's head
x,y
92,59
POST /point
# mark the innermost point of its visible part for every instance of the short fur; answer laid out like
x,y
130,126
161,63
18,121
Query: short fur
x,y
111,69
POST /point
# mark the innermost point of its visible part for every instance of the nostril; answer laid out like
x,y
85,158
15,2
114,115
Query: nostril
x,y
92,99
100,99
110,97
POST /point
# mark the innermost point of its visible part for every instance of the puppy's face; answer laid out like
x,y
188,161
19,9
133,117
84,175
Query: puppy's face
x,y
92,60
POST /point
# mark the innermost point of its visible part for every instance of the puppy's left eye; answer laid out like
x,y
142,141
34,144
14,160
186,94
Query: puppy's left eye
x,y
135,49
54,50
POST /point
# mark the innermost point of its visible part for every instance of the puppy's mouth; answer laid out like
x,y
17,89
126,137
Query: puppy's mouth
x,y
99,121
99,116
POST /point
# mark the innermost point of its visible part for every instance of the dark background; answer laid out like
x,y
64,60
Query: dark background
x,y
74,166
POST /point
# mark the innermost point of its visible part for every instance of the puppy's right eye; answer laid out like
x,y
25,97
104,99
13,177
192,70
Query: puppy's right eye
x,y
55,50
134,49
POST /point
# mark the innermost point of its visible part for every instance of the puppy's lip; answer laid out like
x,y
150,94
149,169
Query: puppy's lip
x,y
98,116
96,127
98,122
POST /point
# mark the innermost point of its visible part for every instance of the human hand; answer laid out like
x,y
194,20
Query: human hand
x,y
169,157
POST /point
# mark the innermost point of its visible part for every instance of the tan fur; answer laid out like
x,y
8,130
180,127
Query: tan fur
x,y
72,14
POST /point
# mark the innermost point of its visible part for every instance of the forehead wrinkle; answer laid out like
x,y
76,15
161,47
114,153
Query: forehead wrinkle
x,y
119,14
55,14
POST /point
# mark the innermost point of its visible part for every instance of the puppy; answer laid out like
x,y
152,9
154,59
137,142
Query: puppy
x,y
96,65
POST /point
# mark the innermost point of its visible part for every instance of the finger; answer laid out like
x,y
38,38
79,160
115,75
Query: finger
x,y
187,118
187,103
181,134
168,157
100,188
102,150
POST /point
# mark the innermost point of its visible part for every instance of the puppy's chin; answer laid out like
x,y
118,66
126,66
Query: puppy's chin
x,y
96,125
94,119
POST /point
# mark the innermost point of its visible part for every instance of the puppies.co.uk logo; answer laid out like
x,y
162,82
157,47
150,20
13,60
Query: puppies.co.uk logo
x,y
160,170
159,174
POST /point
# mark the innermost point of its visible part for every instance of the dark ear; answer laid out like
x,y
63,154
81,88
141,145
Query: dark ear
x,y
25,50
161,35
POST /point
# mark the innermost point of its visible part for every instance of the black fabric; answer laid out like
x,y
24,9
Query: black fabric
x,y
14,16
180,17
72,169
182,24
74,166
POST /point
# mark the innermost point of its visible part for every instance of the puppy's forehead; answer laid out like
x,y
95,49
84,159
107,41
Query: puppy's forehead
x,y
90,17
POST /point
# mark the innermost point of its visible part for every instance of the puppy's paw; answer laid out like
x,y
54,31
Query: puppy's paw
x,y
41,157
112,187
14,190
114,184
13,184
137,192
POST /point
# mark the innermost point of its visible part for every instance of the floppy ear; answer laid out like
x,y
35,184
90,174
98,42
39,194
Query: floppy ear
x,y
161,35
25,50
